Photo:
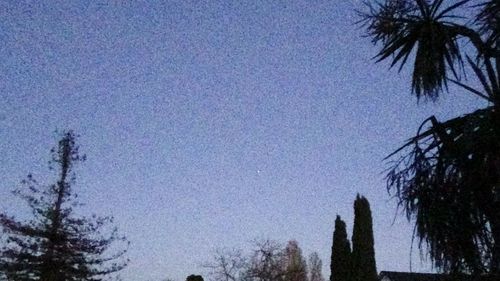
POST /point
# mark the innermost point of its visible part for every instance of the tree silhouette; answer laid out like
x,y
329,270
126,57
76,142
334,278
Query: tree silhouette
x,y
315,268
56,245
227,265
268,261
340,266
448,177
295,264
194,277
363,251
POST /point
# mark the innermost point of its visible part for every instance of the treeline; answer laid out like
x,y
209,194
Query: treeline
x,y
58,245
267,261
270,261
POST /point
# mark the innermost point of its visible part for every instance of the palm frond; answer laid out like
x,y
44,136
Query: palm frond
x,y
444,12
407,27
446,184
488,20
480,75
470,89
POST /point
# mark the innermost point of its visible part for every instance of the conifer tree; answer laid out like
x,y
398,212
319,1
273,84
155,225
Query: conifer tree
x,y
363,252
340,266
56,245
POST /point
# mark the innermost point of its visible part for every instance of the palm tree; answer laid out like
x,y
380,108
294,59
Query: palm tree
x,y
447,177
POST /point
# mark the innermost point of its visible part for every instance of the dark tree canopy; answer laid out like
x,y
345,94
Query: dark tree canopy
x,y
56,245
194,277
363,251
448,180
340,266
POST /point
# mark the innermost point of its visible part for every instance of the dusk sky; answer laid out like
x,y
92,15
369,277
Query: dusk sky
x,y
208,124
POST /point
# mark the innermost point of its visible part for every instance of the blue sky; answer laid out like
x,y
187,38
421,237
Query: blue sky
x,y
210,123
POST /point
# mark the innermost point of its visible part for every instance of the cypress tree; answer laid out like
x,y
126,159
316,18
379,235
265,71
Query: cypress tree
x,y
363,252
341,253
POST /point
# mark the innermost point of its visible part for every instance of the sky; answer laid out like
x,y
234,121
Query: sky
x,y
209,124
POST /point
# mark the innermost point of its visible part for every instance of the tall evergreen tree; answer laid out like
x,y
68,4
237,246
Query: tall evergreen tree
x,y
56,245
340,266
363,252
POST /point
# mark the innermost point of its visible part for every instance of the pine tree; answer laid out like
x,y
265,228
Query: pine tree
x,y
56,245
363,253
340,265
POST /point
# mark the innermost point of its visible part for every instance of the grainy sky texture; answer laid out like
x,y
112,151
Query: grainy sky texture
x,y
209,123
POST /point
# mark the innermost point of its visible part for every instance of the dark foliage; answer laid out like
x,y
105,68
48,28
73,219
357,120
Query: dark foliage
x,y
489,20
403,26
450,196
448,180
363,251
340,266
194,277
56,245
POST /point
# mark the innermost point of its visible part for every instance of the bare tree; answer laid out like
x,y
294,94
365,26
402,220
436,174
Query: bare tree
x,y
267,262
315,267
227,265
